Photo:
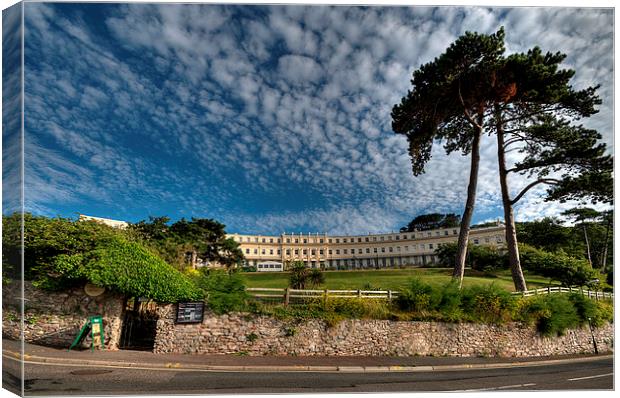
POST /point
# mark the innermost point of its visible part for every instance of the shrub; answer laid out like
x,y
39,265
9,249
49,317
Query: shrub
x,y
481,258
551,313
418,296
487,303
225,292
302,276
596,311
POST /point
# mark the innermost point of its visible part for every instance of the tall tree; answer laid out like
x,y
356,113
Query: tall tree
x,y
451,100
583,216
532,113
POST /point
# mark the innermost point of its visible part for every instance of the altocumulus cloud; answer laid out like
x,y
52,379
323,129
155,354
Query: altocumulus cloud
x,y
270,119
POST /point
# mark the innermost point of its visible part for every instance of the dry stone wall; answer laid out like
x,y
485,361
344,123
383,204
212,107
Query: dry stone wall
x,y
55,318
259,335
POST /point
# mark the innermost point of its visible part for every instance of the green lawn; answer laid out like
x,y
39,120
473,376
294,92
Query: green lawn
x,y
392,279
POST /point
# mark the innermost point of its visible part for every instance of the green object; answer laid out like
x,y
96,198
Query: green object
x,y
94,326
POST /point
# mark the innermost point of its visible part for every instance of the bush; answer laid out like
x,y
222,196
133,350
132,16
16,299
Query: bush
x,y
129,268
551,313
418,296
598,312
481,258
567,270
487,303
225,292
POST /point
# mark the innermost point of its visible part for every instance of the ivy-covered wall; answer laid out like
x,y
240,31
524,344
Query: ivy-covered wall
x,y
55,318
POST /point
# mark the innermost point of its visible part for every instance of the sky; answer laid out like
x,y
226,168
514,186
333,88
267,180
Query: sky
x,y
268,119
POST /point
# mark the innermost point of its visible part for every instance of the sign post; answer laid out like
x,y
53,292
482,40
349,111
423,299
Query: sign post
x,y
94,326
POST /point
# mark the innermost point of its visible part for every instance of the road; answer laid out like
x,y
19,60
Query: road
x,y
50,379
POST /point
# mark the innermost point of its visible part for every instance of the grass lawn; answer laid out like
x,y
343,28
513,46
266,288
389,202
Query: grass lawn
x,y
392,279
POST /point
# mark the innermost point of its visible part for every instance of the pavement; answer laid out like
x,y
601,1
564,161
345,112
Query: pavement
x,y
235,363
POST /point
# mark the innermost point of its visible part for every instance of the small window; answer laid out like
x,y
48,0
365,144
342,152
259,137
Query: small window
x,y
314,252
271,251
437,233
344,251
454,232
397,237
344,240
359,240
367,239
398,248
288,252
263,251
321,252
288,240
406,248
305,240
374,238
320,240
368,250
375,249
330,251
329,240
337,240
404,237
430,245
247,251
263,240
255,251
296,251
383,250
305,251
296,240
445,232
382,238
256,240
360,251
476,242
337,251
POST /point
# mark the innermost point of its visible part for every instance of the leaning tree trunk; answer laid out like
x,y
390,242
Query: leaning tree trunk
x,y
585,234
511,231
461,253
604,259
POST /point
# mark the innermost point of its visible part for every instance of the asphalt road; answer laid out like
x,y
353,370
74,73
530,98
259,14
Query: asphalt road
x,y
48,379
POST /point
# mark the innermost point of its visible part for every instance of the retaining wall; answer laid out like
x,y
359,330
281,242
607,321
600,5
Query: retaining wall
x,y
55,318
259,335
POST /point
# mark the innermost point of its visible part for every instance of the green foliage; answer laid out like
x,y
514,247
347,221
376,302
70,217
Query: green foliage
x,y
129,268
417,297
551,313
251,337
426,222
480,258
557,266
303,277
184,241
487,303
225,292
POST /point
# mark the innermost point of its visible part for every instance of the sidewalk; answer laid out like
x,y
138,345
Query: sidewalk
x,y
144,359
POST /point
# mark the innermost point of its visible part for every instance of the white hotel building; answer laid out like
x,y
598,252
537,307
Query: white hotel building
x,y
273,253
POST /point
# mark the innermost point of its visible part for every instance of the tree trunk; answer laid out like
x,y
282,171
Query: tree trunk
x,y
511,231
585,234
604,260
461,253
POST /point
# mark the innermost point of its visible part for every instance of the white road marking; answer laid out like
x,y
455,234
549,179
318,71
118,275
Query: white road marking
x,y
498,388
591,377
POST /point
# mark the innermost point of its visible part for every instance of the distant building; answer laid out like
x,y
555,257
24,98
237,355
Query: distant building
x,y
359,251
106,221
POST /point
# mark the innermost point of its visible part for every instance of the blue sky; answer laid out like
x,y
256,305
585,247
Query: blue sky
x,y
268,119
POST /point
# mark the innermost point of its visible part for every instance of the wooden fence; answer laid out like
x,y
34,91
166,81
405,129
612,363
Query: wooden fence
x,y
557,289
287,295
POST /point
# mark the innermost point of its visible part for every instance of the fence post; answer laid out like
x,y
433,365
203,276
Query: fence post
x,y
589,293
325,297
287,294
359,293
390,295
548,289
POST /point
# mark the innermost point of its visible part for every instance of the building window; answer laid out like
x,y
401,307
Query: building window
x,y
454,232
305,240
359,251
421,246
271,251
344,251
256,240
437,233
247,251
404,237
391,250
344,240
397,237
367,239
288,252
398,248
476,242
314,252
305,251
359,240
278,240
337,240
337,251
320,240
296,251
406,248
368,250
374,238
296,240
430,245
375,249
382,239
288,240
429,233
330,252
262,251
263,240
255,251
321,252
383,250
390,237
445,233
329,240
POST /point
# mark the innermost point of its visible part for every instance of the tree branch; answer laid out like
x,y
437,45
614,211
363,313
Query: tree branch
x,y
533,184
467,115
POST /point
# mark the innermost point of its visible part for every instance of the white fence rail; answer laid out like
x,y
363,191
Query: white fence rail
x,y
287,294
557,289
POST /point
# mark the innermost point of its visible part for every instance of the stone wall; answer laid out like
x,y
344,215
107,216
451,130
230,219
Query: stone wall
x,y
259,335
55,318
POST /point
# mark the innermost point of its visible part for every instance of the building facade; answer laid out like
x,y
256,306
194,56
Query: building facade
x,y
360,251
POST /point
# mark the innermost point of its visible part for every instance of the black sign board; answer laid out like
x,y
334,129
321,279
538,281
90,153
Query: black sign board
x,y
190,312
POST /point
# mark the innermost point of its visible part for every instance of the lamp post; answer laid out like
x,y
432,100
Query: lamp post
x,y
592,333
